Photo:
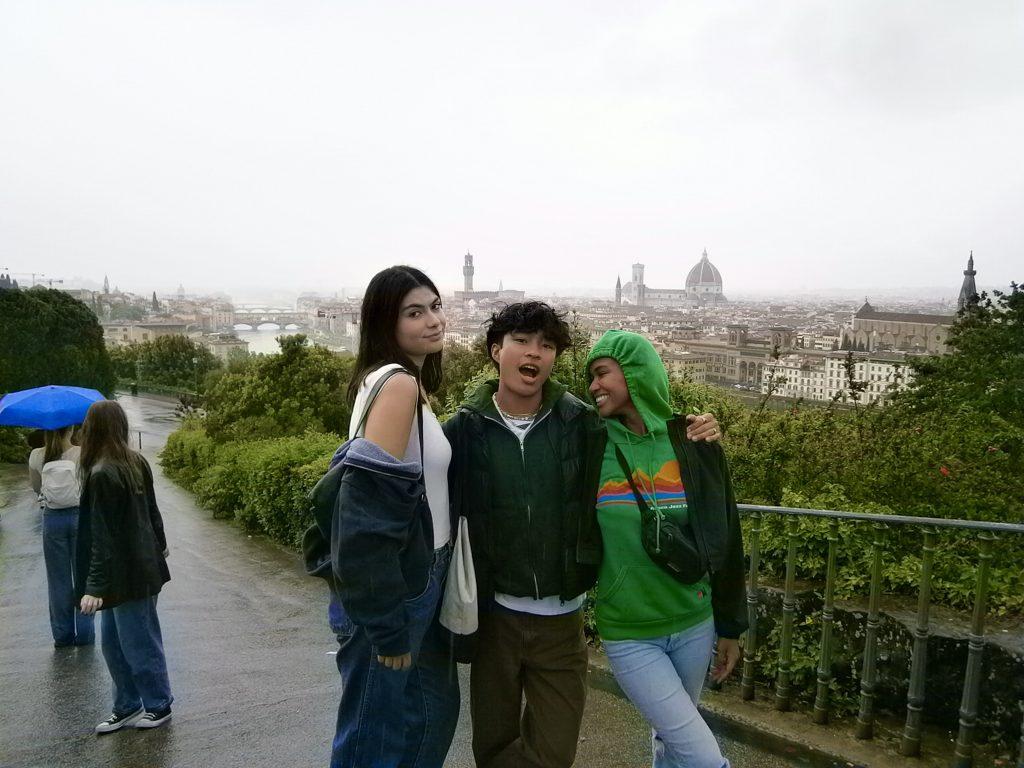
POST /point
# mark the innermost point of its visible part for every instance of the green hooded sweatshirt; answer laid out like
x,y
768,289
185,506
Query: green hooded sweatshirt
x,y
636,599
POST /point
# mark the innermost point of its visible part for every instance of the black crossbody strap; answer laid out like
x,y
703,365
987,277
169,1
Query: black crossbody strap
x,y
640,501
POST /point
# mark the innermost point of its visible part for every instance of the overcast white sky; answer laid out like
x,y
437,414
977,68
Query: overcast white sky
x,y
305,145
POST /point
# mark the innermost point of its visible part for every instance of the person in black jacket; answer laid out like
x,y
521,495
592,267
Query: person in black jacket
x,y
122,567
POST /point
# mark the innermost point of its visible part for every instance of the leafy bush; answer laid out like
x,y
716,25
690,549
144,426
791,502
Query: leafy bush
x,y
298,390
188,453
167,361
13,448
263,484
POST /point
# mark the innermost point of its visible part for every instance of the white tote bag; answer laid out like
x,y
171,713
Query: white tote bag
x,y
458,606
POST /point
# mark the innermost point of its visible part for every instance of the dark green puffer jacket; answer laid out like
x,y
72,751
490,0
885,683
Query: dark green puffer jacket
x,y
524,505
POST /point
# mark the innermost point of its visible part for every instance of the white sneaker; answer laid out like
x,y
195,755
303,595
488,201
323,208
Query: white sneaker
x,y
116,722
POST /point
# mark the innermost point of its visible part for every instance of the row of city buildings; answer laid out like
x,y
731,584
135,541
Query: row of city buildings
x,y
818,353
798,350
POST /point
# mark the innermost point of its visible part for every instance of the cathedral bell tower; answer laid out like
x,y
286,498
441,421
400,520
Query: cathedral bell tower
x,y
968,291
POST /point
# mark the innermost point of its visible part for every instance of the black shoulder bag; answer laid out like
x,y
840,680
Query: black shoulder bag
x,y
670,545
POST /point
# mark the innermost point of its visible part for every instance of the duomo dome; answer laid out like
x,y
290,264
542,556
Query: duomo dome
x,y
704,275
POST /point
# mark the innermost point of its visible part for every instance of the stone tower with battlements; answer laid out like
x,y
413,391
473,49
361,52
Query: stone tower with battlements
x,y
467,273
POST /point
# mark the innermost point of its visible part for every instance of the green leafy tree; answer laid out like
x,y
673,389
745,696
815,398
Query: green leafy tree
x,y
570,368
49,337
172,361
126,313
301,389
124,360
459,365
985,370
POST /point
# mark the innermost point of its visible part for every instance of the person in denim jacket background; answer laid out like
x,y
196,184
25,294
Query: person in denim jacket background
x,y
390,539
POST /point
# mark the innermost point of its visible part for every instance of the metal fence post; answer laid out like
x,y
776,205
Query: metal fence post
x,y
827,616
750,642
783,691
869,671
964,753
911,744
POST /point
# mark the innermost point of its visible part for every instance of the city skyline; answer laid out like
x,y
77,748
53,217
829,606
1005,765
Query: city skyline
x,y
248,148
939,294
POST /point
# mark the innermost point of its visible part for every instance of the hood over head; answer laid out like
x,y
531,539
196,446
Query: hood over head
x,y
645,374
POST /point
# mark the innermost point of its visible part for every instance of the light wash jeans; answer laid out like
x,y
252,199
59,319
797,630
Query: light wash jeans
x,y
133,648
663,677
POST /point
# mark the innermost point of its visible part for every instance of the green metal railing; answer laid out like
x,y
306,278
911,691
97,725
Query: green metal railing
x,y
881,525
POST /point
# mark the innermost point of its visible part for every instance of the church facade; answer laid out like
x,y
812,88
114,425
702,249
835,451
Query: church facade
x,y
872,330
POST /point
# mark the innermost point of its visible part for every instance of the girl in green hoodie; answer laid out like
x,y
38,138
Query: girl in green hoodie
x,y
658,632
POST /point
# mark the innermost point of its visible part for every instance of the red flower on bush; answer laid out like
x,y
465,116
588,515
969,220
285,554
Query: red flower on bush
x,y
944,471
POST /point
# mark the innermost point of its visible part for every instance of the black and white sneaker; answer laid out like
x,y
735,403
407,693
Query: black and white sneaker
x,y
116,722
154,719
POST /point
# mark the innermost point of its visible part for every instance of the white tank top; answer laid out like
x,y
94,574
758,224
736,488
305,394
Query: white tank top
x,y
436,449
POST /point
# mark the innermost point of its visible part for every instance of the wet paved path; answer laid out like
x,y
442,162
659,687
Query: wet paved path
x,y
247,648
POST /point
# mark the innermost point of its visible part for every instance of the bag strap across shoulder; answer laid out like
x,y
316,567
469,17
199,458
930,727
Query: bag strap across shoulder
x,y
641,502
372,396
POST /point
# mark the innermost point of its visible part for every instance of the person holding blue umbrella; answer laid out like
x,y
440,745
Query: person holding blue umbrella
x,y
53,473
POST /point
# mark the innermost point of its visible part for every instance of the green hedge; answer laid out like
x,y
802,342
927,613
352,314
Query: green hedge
x,y
13,448
263,484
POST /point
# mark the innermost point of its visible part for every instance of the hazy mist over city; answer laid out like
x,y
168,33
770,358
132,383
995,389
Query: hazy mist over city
x,y
263,149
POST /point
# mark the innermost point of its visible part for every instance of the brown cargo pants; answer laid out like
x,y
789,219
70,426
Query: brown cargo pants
x,y
543,657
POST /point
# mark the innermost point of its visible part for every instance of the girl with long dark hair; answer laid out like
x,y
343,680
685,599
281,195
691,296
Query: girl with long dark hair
x,y
122,566
53,472
391,537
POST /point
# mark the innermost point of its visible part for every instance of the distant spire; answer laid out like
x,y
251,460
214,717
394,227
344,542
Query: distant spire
x,y
705,256
106,284
968,291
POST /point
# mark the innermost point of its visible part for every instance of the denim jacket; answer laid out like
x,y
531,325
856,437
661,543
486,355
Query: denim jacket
x,y
381,541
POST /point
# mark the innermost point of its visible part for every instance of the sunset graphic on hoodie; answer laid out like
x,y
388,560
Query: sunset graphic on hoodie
x,y
668,485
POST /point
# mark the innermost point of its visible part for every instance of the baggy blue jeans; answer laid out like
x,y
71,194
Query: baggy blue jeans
x,y
390,718
60,537
133,648
663,677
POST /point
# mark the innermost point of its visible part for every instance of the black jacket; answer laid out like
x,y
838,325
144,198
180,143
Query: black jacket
x,y
712,514
524,505
121,537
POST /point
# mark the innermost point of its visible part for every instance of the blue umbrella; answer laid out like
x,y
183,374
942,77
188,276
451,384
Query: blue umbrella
x,y
49,407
